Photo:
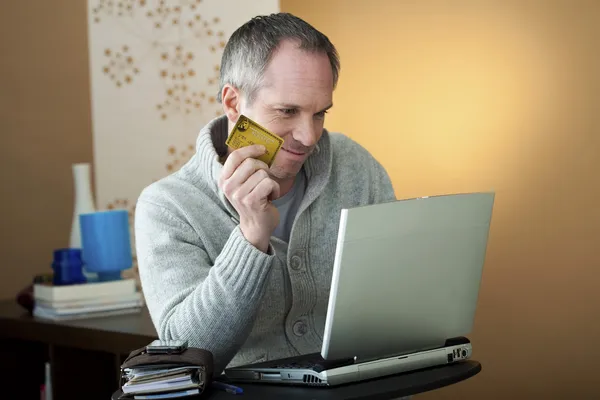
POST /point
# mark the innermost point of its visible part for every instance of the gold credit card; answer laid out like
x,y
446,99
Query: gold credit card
x,y
247,132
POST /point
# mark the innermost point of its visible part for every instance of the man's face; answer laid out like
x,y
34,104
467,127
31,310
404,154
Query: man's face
x,y
297,91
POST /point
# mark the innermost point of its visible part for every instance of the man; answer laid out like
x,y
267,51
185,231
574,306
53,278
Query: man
x,y
234,256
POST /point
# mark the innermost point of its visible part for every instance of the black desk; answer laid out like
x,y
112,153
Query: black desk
x,y
86,356
392,387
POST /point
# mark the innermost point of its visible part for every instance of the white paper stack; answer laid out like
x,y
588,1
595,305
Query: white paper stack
x,y
163,381
87,300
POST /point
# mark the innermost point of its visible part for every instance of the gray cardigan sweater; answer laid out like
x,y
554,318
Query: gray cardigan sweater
x,y
204,282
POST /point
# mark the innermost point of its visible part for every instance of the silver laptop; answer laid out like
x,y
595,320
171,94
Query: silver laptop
x,y
404,289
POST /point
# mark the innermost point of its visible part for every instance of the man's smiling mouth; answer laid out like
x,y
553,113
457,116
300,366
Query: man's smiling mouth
x,y
293,152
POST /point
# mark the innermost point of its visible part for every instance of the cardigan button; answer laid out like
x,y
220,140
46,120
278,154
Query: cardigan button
x,y
300,328
296,263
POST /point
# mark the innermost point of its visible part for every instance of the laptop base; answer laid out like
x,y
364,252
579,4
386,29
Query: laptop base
x,y
312,370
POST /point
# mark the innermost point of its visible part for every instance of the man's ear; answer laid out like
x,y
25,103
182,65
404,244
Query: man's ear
x,y
231,99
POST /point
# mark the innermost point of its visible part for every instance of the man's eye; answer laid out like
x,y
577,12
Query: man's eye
x,y
321,114
288,111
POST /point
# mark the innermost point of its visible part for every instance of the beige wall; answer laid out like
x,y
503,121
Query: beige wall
x,y
457,96
44,128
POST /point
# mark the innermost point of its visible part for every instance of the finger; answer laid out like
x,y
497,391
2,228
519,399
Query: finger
x,y
249,185
238,156
245,170
266,189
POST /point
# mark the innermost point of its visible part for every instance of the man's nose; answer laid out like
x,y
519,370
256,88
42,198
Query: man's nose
x,y
305,132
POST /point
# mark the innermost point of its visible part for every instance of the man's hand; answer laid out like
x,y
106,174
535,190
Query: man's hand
x,y
250,189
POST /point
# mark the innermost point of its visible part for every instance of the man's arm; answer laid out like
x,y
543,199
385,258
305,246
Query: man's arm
x,y
212,306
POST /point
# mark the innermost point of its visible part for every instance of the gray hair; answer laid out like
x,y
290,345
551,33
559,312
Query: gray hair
x,y
251,46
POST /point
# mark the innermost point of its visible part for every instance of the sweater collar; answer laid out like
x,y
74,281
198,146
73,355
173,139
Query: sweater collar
x,y
210,146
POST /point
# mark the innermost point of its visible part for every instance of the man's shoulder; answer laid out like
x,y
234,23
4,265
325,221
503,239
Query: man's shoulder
x,y
357,172
346,148
351,160
340,140
175,191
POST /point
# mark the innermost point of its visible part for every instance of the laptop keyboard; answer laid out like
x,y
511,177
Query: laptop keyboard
x,y
306,361
305,364
309,361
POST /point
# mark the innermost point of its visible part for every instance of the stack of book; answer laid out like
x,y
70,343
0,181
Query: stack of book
x,y
87,300
163,381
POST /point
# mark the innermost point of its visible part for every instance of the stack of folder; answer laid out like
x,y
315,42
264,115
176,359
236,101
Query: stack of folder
x,y
163,381
155,372
87,300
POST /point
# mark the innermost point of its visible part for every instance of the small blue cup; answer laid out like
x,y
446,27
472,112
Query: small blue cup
x,y
106,243
68,267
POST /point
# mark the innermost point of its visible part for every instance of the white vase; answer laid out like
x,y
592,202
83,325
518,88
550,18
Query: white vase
x,y
84,201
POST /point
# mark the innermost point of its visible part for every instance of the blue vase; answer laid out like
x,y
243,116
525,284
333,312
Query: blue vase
x,y
68,267
106,243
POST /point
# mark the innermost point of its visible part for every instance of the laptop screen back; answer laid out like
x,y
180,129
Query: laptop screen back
x,y
406,275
